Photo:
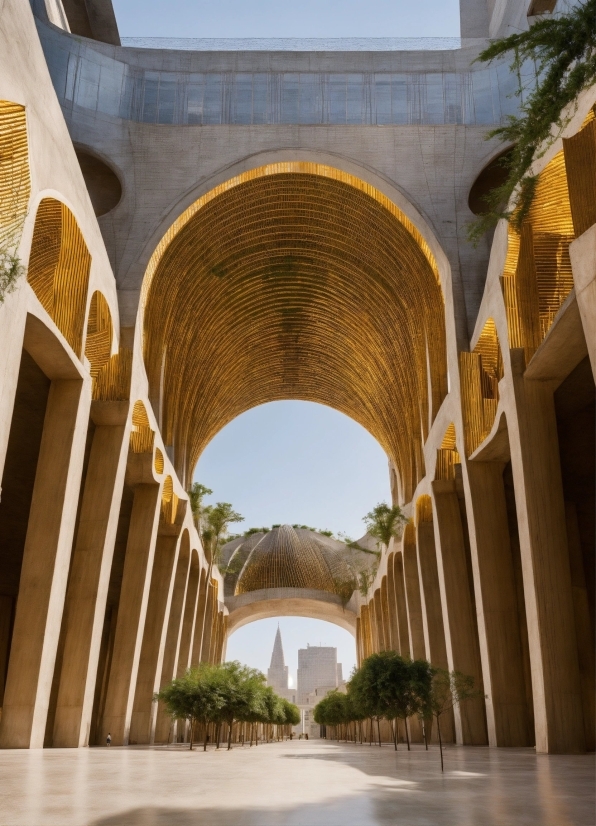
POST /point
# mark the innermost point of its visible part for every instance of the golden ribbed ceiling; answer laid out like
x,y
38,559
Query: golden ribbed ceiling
x,y
295,282
286,557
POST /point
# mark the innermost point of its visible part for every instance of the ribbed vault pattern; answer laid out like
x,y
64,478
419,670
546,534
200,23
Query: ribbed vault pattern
x,y
286,557
295,285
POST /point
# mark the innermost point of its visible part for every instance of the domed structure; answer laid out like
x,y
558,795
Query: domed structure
x,y
287,557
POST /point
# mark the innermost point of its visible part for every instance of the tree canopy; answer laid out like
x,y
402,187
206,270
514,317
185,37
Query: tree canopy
x,y
227,693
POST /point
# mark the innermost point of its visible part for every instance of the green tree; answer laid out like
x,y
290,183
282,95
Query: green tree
x,y
390,686
242,690
563,49
196,494
384,522
196,697
291,715
364,691
216,521
448,689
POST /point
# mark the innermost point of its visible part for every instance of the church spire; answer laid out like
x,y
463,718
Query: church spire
x,y
277,675
277,657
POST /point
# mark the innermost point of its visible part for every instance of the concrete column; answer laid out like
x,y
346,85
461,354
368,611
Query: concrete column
x,y
365,631
190,611
374,629
401,604
384,606
583,625
392,607
90,574
45,565
459,620
414,601
173,636
496,605
214,627
200,620
359,656
132,610
550,617
379,620
154,636
208,625
432,613
583,261
430,593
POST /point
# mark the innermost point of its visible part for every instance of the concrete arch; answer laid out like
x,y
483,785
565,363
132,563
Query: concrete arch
x,y
59,268
290,602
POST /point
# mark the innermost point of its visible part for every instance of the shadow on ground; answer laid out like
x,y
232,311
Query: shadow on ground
x,y
360,813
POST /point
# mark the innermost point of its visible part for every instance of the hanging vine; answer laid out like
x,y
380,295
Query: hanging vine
x,y
563,49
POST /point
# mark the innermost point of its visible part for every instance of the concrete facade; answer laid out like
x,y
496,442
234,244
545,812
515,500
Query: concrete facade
x,y
103,591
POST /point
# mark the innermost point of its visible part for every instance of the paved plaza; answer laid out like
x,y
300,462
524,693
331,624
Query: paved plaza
x,y
294,784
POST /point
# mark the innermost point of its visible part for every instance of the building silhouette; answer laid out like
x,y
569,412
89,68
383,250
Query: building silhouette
x,y
277,673
317,668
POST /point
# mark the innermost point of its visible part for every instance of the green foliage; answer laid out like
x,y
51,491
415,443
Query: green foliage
x,y
384,522
563,49
366,577
11,270
216,520
227,693
196,494
291,713
390,686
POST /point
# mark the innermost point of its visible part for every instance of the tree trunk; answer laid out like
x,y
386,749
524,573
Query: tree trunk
x,y
440,741
379,731
407,732
230,736
191,731
370,731
394,727
217,734
206,735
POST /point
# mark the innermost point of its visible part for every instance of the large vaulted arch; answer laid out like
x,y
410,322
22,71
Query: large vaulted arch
x,y
295,281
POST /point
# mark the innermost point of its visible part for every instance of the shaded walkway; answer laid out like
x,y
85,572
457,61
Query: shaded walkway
x,y
295,784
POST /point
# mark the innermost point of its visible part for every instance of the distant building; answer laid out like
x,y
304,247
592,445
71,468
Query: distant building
x,y
277,673
317,668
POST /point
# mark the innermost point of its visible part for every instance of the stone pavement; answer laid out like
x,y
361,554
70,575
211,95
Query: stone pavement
x,y
303,783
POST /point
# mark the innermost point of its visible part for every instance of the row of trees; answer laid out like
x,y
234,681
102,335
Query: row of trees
x,y
211,696
390,687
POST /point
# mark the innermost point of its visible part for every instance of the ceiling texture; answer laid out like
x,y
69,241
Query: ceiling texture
x,y
295,281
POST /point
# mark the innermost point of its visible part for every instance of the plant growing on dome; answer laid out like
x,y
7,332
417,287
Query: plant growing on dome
x,y
563,48
214,535
385,522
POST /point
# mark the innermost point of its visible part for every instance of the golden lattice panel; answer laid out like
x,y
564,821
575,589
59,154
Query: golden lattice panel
x,y
296,286
291,558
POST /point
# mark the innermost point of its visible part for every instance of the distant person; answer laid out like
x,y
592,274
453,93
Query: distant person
x,y
109,739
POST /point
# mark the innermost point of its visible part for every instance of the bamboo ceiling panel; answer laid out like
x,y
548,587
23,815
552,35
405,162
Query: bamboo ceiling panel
x,y
295,285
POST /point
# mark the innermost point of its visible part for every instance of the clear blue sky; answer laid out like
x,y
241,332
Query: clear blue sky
x,y
281,18
296,462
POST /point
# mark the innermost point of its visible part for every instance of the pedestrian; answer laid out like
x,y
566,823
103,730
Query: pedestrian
x,y
109,739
